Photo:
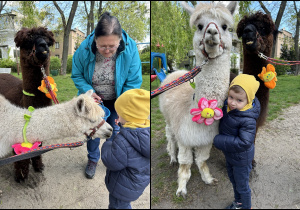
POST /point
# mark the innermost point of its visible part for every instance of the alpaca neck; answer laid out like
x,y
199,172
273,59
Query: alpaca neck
x,y
52,123
213,81
253,64
31,79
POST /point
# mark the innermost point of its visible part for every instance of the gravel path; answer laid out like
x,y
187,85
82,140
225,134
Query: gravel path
x,y
275,181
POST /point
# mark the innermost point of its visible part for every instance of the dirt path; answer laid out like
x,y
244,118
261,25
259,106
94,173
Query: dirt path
x,y
275,182
61,185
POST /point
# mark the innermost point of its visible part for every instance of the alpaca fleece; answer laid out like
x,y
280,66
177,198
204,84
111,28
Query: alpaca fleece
x,y
212,83
69,119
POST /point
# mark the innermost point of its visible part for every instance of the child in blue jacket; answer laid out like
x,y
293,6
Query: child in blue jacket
x,y
127,156
236,136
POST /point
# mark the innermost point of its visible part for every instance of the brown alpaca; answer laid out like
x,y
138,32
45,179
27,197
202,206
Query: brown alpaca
x,y
258,33
34,46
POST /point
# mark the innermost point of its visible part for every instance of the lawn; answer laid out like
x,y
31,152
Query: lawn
x,y
67,89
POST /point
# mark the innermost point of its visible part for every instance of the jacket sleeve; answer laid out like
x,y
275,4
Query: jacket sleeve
x,y
78,73
240,143
134,79
114,154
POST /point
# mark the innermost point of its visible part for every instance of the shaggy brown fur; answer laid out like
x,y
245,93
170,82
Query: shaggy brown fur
x,y
260,29
34,46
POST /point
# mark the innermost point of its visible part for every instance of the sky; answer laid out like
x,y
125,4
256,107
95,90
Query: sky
x,y
75,24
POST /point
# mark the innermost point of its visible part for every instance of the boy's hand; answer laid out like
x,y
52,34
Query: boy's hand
x,y
117,121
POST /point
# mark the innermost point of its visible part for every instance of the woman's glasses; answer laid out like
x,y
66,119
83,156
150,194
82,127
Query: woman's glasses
x,y
108,48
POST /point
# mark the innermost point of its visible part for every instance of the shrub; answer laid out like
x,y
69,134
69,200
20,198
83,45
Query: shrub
x,y
280,69
69,64
145,57
55,63
8,63
235,71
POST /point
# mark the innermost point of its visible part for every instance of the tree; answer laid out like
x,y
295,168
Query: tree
x,y
278,18
296,39
90,17
170,27
132,16
2,5
66,28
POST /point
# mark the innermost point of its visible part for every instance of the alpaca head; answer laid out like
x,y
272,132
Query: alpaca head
x,y
213,23
34,44
258,33
92,115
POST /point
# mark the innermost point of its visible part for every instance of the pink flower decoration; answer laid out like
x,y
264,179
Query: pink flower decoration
x,y
19,149
207,112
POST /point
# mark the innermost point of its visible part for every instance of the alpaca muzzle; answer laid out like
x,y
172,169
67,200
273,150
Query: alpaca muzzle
x,y
211,40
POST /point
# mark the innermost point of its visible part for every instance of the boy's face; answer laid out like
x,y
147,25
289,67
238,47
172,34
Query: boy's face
x,y
237,100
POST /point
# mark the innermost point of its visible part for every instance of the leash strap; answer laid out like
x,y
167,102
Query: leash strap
x,y
38,151
48,86
278,62
186,77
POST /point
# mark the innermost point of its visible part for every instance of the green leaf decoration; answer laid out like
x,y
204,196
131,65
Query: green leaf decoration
x,y
193,85
30,108
27,117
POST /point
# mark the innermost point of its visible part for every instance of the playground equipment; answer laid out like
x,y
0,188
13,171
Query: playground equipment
x,y
161,75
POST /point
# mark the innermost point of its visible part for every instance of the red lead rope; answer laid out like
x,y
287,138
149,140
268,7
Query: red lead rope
x,y
48,86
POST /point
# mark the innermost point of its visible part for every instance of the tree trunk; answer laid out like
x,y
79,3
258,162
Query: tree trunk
x,y
296,39
67,29
99,11
92,24
278,19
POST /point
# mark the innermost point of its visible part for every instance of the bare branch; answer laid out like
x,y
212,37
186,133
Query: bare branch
x,y
61,14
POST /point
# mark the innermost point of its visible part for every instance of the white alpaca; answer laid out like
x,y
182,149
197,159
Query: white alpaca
x,y
69,119
213,22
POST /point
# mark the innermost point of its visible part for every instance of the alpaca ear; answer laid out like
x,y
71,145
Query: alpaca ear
x,y
21,37
80,105
187,7
232,6
89,92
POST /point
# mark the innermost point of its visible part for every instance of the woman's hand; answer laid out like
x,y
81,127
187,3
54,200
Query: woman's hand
x,y
96,97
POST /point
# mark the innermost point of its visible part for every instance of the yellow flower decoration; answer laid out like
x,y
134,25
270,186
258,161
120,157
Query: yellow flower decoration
x,y
268,76
44,89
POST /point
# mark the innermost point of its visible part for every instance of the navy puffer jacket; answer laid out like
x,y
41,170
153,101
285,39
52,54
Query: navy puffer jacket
x,y
237,133
127,159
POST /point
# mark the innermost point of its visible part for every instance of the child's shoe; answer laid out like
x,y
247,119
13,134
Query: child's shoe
x,y
234,205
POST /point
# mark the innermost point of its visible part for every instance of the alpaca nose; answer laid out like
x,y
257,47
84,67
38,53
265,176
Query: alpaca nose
x,y
212,31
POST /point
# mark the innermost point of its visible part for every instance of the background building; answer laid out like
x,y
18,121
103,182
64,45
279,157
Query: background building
x,y
76,37
283,37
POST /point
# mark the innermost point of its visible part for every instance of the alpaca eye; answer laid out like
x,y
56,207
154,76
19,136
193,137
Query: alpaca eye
x,y
200,27
224,27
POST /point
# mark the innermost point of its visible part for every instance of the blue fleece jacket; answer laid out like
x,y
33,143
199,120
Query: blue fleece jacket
x,y
236,136
128,73
127,159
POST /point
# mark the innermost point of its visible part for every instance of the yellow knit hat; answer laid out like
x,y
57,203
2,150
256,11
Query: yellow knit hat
x,y
250,86
134,107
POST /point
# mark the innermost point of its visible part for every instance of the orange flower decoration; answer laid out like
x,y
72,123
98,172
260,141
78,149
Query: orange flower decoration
x,y
268,76
44,89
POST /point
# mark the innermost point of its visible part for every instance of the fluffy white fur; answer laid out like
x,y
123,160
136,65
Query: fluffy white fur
x,y
212,83
69,119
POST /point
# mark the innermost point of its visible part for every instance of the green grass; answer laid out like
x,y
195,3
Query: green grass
x,y
285,94
67,89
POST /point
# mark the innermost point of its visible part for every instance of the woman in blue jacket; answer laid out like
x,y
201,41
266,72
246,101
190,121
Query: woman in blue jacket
x,y
236,136
107,62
